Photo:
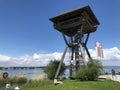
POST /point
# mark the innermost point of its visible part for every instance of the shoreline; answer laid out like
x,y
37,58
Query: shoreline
x,y
43,76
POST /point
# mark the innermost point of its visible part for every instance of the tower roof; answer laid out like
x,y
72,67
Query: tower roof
x,y
65,22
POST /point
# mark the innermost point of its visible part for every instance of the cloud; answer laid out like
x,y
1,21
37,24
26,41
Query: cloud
x,y
111,57
4,58
29,60
112,53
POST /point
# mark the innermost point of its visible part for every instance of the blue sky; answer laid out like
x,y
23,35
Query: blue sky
x,y
25,28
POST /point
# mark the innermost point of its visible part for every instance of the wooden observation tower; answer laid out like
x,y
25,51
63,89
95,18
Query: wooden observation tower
x,y
75,26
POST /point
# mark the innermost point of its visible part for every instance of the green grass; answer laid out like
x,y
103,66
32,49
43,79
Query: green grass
x,y
72,85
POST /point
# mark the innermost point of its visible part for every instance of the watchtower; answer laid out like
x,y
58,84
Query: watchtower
x,y
76,26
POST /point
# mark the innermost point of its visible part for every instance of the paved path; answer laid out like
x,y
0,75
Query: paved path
x,y
109,77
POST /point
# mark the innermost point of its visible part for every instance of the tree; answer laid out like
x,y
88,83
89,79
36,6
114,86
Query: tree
x,y
90,72
51,69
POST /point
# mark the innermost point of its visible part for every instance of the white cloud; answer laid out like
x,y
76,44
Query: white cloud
x,y
111,57
4,58
112,53
36,56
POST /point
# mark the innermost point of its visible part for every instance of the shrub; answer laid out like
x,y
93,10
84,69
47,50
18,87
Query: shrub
x,y
89,72
51,69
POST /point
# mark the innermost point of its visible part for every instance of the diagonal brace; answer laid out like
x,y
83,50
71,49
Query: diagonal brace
x,y
61,61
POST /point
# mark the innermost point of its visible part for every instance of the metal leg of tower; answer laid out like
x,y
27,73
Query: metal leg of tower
x,y
71,64
87,38
87,52
77,58
65,39
83,56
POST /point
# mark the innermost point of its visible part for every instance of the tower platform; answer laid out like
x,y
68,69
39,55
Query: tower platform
x,y
69,22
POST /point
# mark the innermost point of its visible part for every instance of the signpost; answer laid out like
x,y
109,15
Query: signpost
x,y
5,75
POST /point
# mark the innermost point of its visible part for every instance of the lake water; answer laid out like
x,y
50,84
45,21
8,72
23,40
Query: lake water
x,y
31,72
107,69
28,72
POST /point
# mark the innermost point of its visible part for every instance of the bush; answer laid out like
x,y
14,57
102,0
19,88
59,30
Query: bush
x,y
51,69
89,72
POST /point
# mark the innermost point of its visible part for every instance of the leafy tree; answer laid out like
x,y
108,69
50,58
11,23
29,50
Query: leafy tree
x,y
89,72
51,69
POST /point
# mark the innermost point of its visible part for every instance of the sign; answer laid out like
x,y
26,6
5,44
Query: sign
x,y
5,75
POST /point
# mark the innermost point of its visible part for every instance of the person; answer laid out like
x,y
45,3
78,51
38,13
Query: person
x,y
113,74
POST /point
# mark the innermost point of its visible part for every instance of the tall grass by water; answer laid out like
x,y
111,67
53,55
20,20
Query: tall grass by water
x,y
12,80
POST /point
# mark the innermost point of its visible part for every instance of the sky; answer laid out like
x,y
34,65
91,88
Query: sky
x,y
27,37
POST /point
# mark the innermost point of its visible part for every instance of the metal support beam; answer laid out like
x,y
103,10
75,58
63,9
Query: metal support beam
x,y
71,64
86,46
87,38
83,56
65,39
87,52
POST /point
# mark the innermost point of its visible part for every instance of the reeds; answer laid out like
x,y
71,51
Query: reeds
x,y
13,80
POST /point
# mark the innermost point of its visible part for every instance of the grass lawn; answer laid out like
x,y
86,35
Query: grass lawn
x,y
72,85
